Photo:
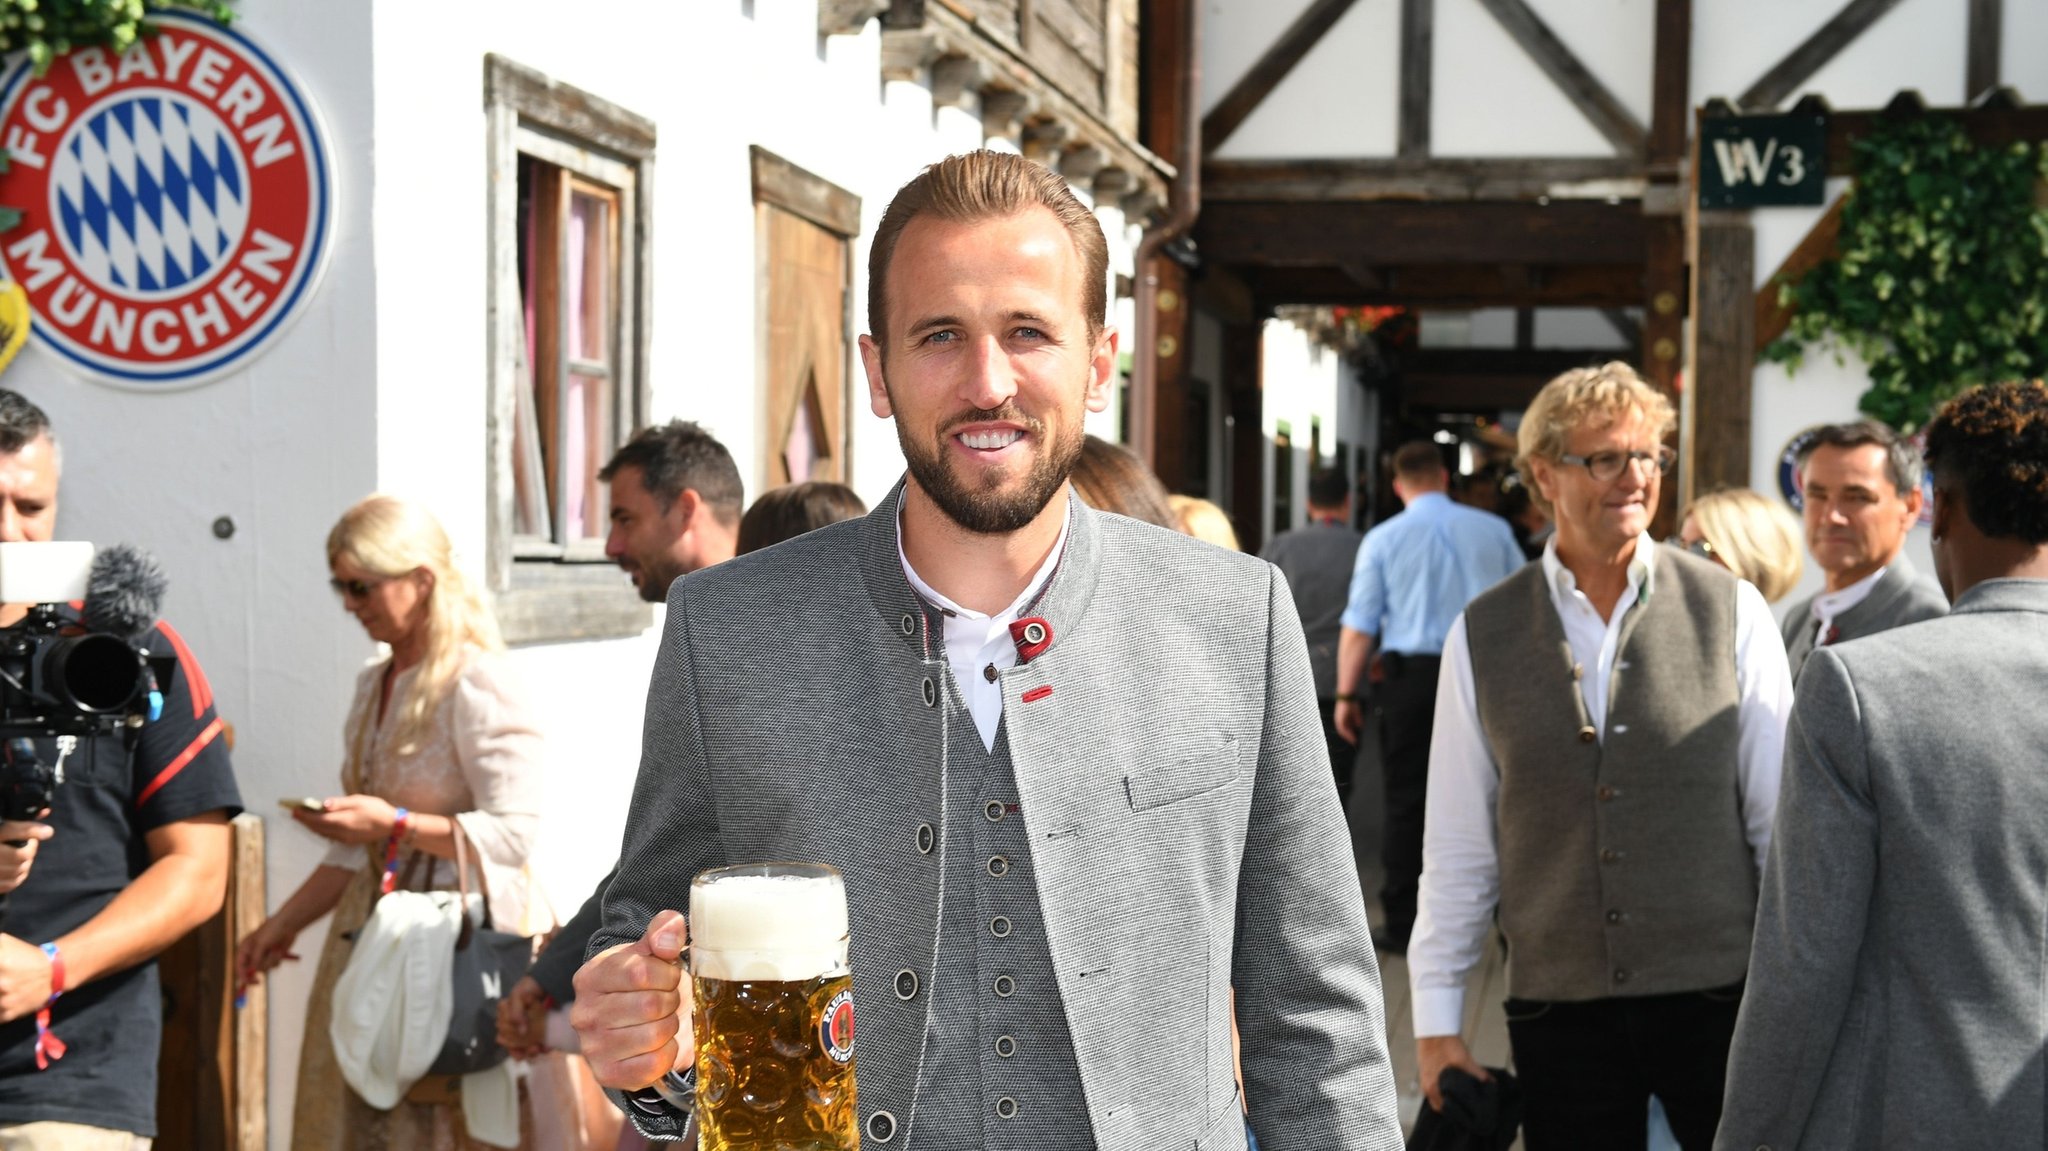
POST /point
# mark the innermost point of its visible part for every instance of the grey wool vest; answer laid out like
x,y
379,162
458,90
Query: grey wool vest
x,y
1624,869
999,1069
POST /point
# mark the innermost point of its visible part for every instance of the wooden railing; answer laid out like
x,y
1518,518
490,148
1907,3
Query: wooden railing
x,y
212,1067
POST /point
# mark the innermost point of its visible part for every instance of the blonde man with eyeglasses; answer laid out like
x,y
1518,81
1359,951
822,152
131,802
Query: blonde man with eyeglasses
x,y
1603,775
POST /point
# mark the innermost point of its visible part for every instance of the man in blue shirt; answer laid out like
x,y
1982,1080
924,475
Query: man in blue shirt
x,y
1413,575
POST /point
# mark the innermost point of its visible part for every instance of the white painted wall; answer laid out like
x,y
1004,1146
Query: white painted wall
x,y
1303,381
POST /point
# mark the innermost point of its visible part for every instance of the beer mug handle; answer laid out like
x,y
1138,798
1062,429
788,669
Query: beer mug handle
x,y
679,1089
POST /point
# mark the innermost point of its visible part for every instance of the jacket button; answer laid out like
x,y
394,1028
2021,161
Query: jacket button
x,y
1005,1047
999,927
1621,975
881,1127
1005,987
1587,734
1006,1108
994,810
926,839
1610,856
931,692
909,626
999,866
1614,917
906,984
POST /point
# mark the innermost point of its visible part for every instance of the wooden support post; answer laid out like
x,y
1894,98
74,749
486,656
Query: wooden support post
x,y
1173,352
1987,20
1717,398
1245,388
212,1067
1418,34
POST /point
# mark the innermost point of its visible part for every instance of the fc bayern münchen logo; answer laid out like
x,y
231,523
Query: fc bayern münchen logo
x,y
176,203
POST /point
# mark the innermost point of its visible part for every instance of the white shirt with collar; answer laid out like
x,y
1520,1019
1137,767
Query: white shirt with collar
x,y
1460,847
975,641
1831,605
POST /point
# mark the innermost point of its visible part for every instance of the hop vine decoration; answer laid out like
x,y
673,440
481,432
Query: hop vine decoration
x,y
1941,276
47,29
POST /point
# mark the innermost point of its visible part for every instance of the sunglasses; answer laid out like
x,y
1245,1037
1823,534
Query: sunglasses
x,y
355,588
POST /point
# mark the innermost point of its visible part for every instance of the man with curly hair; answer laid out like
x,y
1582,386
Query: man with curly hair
x,y
1896,996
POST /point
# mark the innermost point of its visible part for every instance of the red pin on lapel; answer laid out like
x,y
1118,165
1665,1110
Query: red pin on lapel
x,y
1032,635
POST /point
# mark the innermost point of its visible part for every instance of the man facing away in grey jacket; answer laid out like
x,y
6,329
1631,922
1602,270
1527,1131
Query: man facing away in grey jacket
x,y
1896,990
1069,764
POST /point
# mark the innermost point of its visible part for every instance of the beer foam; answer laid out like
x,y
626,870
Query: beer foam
x,y
782,928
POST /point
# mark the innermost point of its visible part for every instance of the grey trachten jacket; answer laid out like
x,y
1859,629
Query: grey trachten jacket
x,y
1898,987
1183,824
1900,597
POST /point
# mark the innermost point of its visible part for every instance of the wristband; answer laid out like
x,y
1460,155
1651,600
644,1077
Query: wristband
x,y
48,1046
1348,697
398,828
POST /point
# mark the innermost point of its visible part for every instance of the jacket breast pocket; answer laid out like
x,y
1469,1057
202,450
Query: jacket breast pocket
x,y
1191,773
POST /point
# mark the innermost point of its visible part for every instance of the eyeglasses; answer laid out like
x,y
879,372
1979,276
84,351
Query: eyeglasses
x,y
355,588
1606,466
1702,547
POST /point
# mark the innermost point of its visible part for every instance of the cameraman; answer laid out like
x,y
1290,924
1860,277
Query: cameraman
x,y
133,853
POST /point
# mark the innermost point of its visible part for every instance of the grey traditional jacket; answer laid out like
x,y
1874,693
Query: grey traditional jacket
x,y
1172,777
1899,598
1898,990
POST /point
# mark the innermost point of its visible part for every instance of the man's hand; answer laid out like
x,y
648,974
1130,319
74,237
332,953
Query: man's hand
x,y
351,819
1438,1052
16,861
1350,720
24,978
523,1019
632,1008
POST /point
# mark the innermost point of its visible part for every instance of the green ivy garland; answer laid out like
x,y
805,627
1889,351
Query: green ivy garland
x,y
1941,277
49,28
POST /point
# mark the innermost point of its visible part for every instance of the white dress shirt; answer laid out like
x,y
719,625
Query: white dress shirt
x,y
1829,605
1460,843
976,642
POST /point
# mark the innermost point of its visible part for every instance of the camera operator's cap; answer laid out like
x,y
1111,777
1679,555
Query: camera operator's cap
x,y
44,572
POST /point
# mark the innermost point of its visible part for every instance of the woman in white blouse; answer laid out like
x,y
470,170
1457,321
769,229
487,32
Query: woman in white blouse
x,y
437,737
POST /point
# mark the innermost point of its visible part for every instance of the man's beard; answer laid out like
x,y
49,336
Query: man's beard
x,y
655,580
989,510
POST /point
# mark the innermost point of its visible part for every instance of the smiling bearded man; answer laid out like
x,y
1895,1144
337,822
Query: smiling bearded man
x,y
1603,775
1069,764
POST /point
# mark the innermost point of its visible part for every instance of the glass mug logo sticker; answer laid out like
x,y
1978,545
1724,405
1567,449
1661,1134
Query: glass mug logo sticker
x,y
176,200
835,1030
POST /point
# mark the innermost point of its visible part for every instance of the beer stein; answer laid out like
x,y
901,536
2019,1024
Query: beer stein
x,y
773,1010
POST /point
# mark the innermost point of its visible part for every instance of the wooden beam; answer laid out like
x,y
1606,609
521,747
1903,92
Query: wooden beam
x,y
1525,328
1454,286
848,17
1625,326
1244,394
1987,28
1717,398
1816,246
1418,178
1670,81
1395,232
1665,292
1418,33
1254,86
1798,67
1173,346
1592,98
1992,124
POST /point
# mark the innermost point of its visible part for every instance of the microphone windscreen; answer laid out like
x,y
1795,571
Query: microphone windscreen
x,y
124,592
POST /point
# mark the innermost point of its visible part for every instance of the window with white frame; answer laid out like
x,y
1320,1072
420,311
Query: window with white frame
x,y
569,250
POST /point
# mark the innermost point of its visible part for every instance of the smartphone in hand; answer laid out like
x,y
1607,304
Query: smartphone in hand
x,y
303,803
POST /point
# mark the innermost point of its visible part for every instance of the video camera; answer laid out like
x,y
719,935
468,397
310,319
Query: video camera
x,y
66,675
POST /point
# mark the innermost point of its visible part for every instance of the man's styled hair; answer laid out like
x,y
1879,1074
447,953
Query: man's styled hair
x,y
1581,397
677,455
988,185
21,421
1992,443
1327,488
1419,460
1902,464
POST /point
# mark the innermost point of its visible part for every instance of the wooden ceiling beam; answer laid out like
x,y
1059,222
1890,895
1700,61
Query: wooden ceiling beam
x,y
1400,232
1593,99
1455,287
1254,86
1802,62
1414,177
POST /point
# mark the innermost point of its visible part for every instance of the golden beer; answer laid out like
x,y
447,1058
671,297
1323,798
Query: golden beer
x,y
774,1010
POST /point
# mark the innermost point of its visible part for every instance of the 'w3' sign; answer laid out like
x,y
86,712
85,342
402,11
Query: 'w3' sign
x,y
1758,161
